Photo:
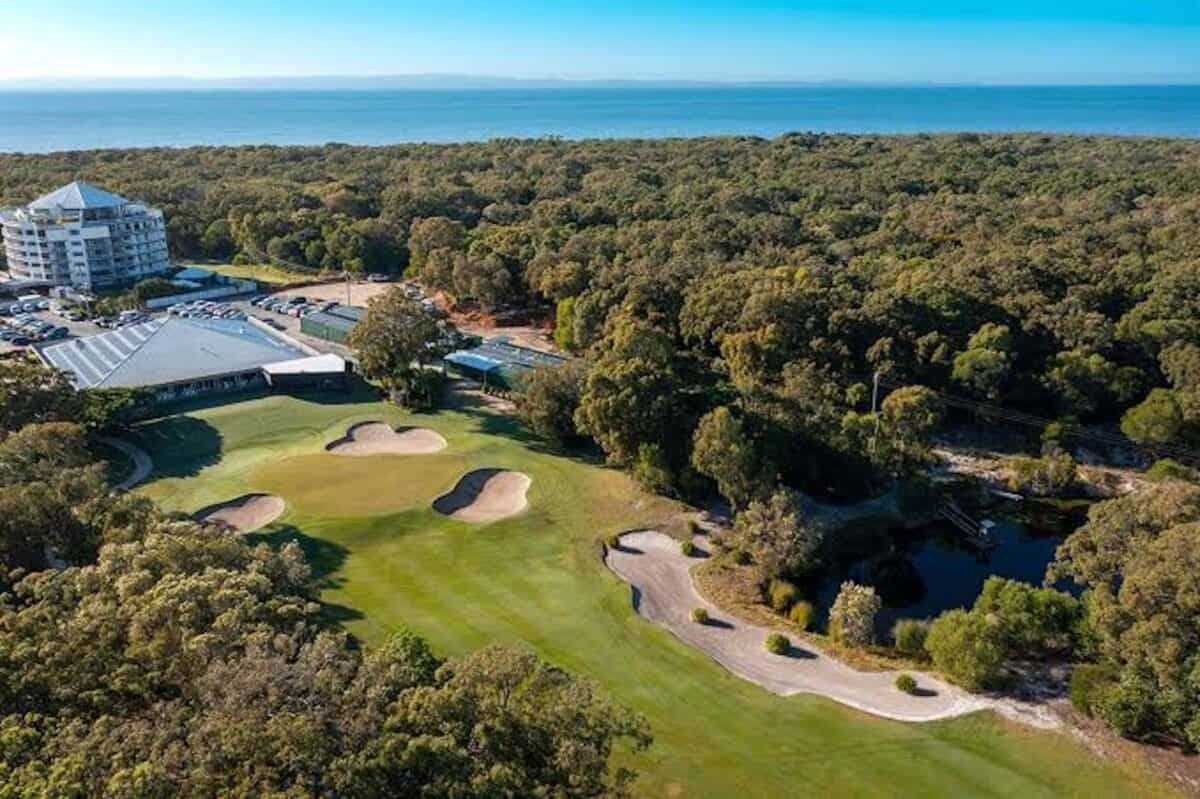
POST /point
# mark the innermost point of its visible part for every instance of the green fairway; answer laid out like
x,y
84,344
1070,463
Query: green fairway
x,y
386,559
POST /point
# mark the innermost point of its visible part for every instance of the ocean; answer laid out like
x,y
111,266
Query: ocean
x,y
45,121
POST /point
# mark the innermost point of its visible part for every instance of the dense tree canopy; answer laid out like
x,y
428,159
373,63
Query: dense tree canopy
x,y
1139,556
163,658
1055,275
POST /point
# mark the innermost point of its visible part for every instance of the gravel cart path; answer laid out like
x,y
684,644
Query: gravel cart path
x,y
663,592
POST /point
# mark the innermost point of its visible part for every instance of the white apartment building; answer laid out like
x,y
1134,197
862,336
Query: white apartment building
x,y
84,237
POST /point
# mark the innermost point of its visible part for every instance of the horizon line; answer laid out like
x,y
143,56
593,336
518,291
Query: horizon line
x,y
434,80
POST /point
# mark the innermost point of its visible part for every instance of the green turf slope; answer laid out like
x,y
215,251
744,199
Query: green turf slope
x,y
386,559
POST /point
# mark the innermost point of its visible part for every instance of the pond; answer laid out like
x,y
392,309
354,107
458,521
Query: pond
x,y
922,572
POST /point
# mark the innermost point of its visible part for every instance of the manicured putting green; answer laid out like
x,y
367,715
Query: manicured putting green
x,y
385,559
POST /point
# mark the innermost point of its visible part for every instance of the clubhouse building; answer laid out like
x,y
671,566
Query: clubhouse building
x,y
183,358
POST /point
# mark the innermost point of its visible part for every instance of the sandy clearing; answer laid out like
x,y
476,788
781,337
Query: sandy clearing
x,y
245,514
377,438
485,495
663,592
361,291
142,464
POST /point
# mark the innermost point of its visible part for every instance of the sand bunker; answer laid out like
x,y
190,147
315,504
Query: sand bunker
x,y
485,495
245,514
663,593
377,438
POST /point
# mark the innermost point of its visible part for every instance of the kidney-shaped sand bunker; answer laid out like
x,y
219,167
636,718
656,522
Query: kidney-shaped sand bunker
x,y
245,514
485,495
377,438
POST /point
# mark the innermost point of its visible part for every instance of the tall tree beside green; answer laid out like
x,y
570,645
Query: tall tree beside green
x,y
629,397
392,342
548,397
1139,557
723,451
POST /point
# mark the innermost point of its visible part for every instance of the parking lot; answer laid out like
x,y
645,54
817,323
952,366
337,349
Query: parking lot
x,y
48,321
283,312
21,328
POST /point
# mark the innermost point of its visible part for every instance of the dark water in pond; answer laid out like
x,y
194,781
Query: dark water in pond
x,y
920,573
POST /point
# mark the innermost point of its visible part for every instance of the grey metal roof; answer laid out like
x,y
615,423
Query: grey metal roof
x,y
512,355
164,351
77,196
337,321
470,359
351,312
193,273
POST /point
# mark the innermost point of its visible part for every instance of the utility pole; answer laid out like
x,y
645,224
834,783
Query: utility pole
x,y
875,410
347,274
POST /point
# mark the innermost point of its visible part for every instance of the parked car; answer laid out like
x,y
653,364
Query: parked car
x,y
20,341
378,277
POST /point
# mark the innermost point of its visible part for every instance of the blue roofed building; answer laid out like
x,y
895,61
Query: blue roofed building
x,y
181,358
498,363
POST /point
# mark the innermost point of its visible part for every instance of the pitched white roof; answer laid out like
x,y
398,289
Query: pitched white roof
x,y
77,196
315,364
170,350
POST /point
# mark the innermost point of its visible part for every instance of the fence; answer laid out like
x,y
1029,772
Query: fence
x,y
232,287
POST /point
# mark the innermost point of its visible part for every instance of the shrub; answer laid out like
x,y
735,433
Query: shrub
x,y
687,548
906,683
1035,621
1053,434
1090,683
852,617
694,527
1167,469
700,615
1050,475
741,557
651,470
909,635
782,594
801,614
967,647
778,644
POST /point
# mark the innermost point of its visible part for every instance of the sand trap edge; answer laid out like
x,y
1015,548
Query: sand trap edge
x,y
258,509
383,439
481,496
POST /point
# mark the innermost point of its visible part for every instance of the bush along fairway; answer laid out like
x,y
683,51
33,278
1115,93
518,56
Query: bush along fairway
x,y
385,557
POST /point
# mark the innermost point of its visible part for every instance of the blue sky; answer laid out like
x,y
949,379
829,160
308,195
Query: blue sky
x,y
1021,41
